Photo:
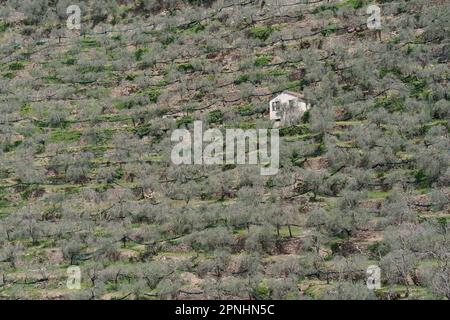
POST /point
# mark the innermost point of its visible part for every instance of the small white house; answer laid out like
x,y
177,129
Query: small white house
x,y
293,100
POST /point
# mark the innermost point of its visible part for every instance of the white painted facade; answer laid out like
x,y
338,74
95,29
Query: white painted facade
x,y
292,99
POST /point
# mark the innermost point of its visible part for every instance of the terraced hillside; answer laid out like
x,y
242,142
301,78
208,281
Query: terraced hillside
x,y
86,177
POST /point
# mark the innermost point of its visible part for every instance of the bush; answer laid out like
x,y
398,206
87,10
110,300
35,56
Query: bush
x,y
293,131
153,95
139,53
245,110
215,116
184,121
185,67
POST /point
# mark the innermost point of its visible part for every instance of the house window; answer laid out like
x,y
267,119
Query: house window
x,y
276,106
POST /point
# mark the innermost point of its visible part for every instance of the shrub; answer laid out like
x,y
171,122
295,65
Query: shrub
x,y
153,95
245,110
185,67
184,121
215,116
139,53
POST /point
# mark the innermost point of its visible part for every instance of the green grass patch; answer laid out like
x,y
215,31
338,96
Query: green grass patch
x,y
300,137
4,203
296,231
139,53
93,69
52,80
349,123
331,28
113,117
25,110
70,61
124,104
193,27
9,75
11,146
390,103
262,60
261,32
422,180
184,121
153,94
89,43
185,67
355,4
215,116
419,87
61,135
242,79
325,7
294,131
3,26
276,73
377,194
16,65
245,110
142,130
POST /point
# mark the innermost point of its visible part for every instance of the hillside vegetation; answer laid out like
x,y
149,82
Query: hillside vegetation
x,y
86,177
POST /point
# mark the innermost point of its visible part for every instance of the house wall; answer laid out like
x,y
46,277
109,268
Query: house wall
x,y
284,98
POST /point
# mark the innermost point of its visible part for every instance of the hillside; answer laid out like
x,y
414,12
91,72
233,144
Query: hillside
x,y
86,177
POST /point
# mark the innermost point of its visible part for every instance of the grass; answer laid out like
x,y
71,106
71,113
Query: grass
x,y
245,110
418,293
301,129
185,254
153,94
16,65
61,135
390,103
377,194
328,30
52,80
89,43
242,79
4,203
262,60
349,123
3,27
124,105
284,231
185,67
315,287
25,109
139,53
355,4
8,75
296,231
299,137
261,32
437,123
